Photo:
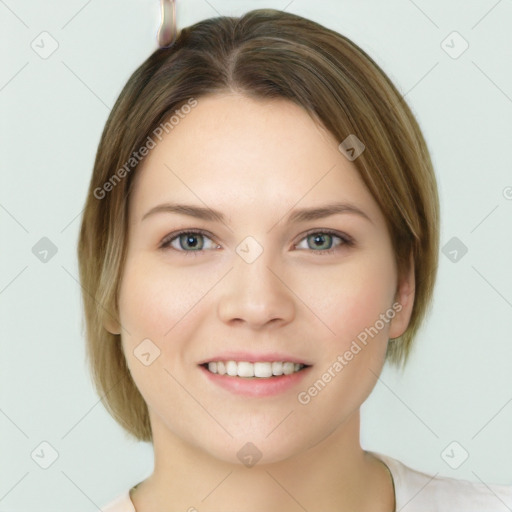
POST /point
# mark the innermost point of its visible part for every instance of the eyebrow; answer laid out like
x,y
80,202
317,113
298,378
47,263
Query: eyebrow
x,y
300,215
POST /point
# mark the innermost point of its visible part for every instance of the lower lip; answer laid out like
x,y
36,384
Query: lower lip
x,y
257,387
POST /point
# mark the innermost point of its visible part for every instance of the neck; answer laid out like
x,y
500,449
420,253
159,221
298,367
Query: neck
x,y
333,475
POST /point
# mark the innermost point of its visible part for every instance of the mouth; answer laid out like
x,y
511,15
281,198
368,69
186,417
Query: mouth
x,y
254,375
254,370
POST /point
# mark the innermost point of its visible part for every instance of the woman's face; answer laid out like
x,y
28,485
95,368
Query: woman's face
x,y
264,281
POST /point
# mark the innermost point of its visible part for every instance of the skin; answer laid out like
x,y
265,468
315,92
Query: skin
x,y
256,161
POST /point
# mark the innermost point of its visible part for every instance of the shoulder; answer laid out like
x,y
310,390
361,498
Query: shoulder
x,y
417,491
121,503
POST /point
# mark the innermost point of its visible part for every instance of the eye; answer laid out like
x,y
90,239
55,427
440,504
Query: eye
x,y
190,241
322,241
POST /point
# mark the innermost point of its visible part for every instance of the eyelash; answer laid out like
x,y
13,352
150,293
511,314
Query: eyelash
x,y
346,241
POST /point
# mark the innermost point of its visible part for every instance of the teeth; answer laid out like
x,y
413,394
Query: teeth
x,y
232,368
247,370
261,370
277,368
288,368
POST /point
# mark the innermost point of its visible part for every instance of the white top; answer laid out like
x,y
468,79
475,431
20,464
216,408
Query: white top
x,y
414,492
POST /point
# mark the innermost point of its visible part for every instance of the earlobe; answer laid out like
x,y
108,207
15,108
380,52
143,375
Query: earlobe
x,y
405,294
111,325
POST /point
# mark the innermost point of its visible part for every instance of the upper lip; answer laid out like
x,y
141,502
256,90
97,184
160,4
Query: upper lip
x,y
252,357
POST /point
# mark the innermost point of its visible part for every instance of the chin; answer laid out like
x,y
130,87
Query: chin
x,y
253,452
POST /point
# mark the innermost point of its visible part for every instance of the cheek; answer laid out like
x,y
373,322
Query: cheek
x,y
153,304
358,295
154,298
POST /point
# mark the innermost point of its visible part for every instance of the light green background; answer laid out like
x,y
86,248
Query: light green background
x,y
458,384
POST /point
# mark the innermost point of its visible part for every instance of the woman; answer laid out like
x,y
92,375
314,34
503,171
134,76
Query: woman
x,y
260,235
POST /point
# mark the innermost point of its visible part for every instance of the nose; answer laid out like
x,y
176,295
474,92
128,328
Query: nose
x,y
256,295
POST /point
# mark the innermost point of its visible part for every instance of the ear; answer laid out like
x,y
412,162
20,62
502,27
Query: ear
x,y
111,325
404,298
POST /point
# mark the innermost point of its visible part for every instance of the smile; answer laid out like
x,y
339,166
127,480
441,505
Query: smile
x,y
261,370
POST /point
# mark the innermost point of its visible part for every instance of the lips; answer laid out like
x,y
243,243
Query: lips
x,y
257,387
251,357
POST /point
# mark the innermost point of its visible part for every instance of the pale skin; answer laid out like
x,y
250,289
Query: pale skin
x,y
256,162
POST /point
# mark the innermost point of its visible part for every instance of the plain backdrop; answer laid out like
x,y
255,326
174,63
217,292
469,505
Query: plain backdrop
x,y
63,65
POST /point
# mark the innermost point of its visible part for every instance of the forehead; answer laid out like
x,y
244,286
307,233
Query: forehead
x,y
233,150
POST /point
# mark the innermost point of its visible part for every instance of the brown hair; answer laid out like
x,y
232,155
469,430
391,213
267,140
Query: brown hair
x,y
264,54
